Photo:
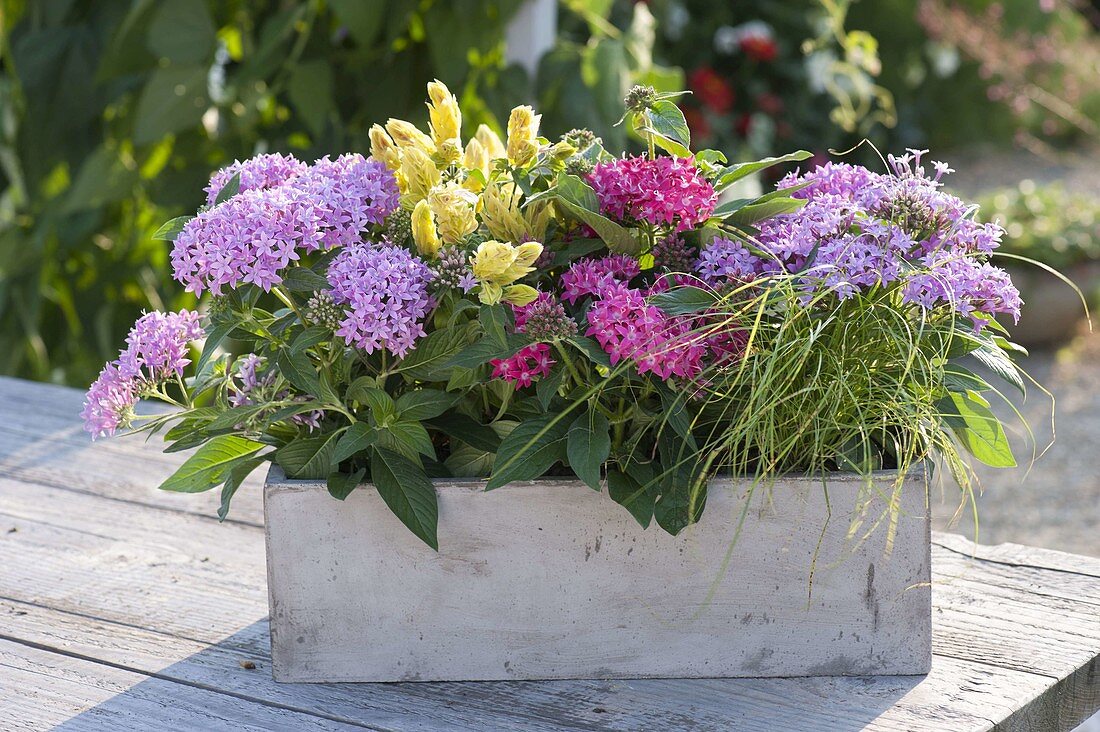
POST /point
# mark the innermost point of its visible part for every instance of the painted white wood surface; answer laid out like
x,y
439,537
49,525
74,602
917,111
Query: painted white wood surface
x,y
549,579
124,608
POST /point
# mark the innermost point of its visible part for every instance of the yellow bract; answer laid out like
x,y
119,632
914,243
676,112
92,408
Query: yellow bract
x,y
408,137
444,114
491,142
501,214
382,148
523,132
423,229
520,294
453,207
420,174
476,158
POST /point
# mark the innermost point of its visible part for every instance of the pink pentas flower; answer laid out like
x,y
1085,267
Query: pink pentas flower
x,y
529,363
629,328
662,191
591,277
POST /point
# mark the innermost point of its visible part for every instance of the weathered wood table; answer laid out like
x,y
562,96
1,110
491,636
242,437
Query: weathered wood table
x,y
125,608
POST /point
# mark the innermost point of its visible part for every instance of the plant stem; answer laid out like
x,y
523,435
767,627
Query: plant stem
x,y
288,301
569,363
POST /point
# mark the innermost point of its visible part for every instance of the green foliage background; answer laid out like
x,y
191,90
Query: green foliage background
x,y
113,113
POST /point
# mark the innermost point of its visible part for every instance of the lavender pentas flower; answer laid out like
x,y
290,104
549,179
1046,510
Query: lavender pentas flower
x,y
384,292
253,386
156,351
258,173
253,236
860,230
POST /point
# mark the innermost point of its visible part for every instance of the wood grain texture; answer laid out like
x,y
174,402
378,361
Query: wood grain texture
x,y
549,579
123,608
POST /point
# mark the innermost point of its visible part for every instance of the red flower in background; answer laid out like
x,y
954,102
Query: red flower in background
x,y
697,124
759,47
743,125
770,104
711,89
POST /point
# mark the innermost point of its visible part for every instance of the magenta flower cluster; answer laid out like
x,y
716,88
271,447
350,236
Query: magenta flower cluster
x,y
627,327
859,230
529,363
156,351
665,191
590,277
253,236
385,295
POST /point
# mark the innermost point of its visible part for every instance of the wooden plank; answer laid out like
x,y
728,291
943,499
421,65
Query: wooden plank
x,y
44,690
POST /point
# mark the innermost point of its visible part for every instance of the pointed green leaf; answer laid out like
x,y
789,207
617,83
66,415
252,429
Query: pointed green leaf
x,y
529,450
424,404
408,492
309,457
625,491
233,482
171,229
340,485
355,440
210,464
587,446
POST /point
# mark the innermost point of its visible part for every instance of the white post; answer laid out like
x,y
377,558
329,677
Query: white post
x,y
530,33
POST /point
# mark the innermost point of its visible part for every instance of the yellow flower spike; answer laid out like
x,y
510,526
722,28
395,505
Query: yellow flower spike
x,y
448,151
489,293
423,230
559,151
526,255
420,174
383,148
523,132
453,207
407,136
475,158
537,218
499,207
491,142
492,261
445,118
520,295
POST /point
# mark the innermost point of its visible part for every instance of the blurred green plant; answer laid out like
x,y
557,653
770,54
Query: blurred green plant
x,y
113,113
1046,223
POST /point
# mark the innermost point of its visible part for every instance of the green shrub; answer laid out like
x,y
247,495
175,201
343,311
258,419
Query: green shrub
x,y
1046,223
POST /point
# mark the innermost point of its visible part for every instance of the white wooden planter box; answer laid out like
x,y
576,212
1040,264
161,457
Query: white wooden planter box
x,y
549,579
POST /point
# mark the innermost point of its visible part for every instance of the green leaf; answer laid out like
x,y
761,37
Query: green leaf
x,y
355,440
231,188
424,404
172,228
408,438
310,91
587,446
529,450
304,279
408,492
466,461
427,362
734,173
959,379
173,100
468,430
210,464
363,20
296,368
547,387
381,404
310,337
756,212
683,300
309,457
666,119
978,429
618,238
683,489
236,476
997,361
592,350
182,31
571,189
340,485
635,498
495,322
487,349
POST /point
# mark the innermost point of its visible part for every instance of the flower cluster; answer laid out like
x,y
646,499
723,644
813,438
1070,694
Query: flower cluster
x,y
859,230
589,277
544,320
662,191
156,351
628,327
384,290
254,235
258,173
529,363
